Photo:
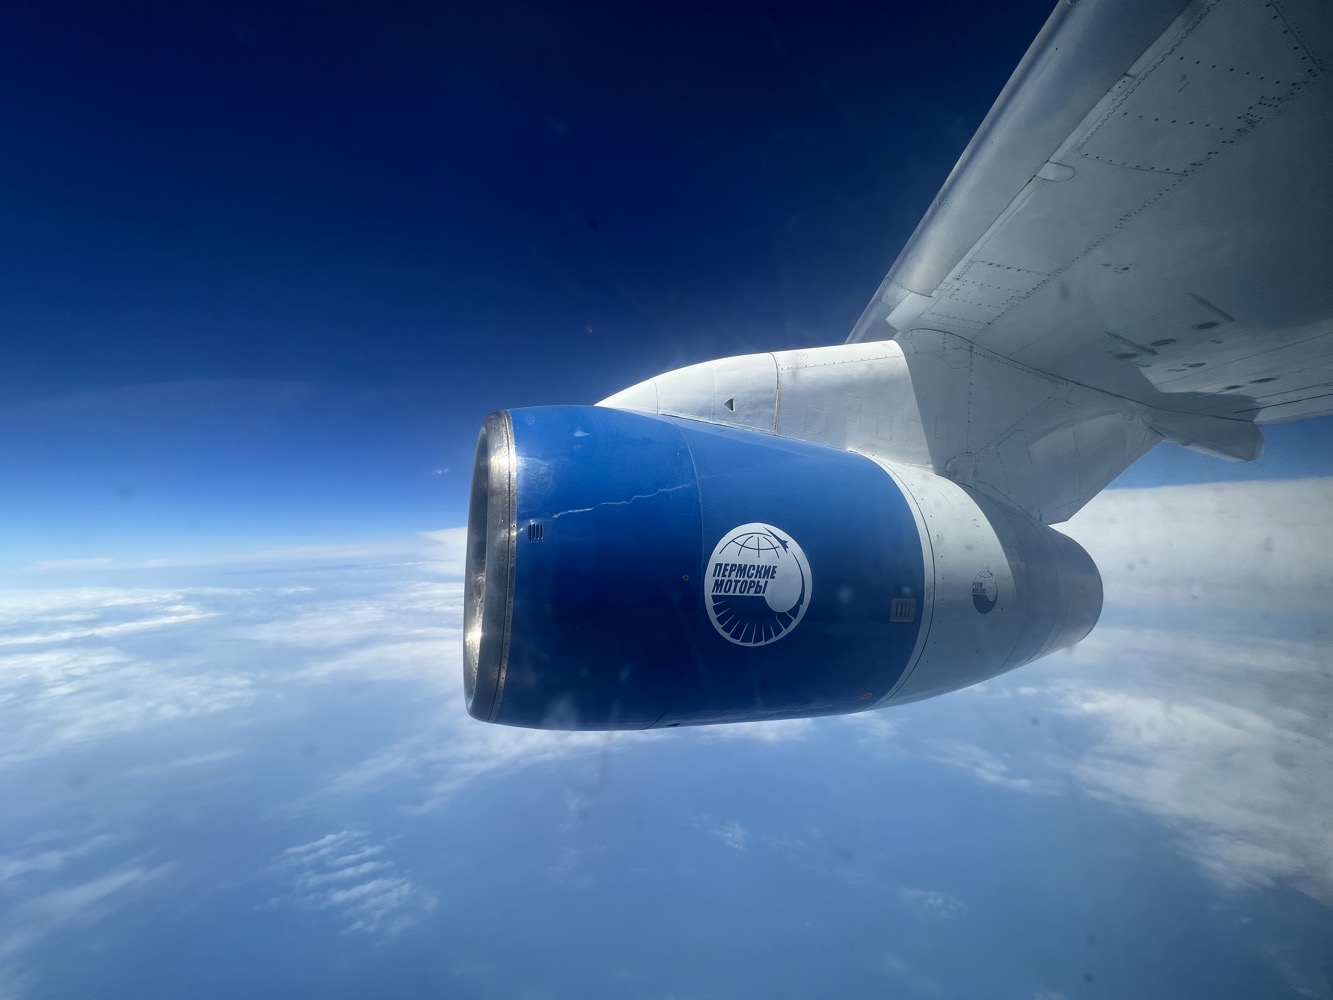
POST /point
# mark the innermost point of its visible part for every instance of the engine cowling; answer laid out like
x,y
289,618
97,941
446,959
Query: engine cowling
x,y
627,570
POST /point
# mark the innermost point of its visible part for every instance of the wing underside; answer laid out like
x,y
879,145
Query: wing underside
x,y
1146,212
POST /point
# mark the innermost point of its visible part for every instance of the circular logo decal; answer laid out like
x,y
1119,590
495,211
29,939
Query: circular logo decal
x,y
984,592
757,584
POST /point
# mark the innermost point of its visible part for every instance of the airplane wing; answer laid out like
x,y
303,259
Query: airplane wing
x,y
1138,242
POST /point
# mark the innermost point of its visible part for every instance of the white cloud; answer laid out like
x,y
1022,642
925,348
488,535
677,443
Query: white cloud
x,y
53,699
449,549
732,834
181,765
40,916
69,565
315,850
35,906
1232,753
430,656
454,751
1220,737
1214,720
344,874
981,764
1257,548
875,727
118,684
912,978
780,731
370,897
28,609
107,630
15,866
88,664
571,865
729,832
440,552
419,548
347,629
930,904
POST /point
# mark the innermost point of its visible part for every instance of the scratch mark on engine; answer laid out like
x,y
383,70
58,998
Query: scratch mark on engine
x,y
622,503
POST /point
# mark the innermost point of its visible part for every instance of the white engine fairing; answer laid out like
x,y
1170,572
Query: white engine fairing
x,y
1041,591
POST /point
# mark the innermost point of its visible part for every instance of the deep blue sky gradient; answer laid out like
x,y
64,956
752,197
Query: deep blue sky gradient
x,y
384,198
266,267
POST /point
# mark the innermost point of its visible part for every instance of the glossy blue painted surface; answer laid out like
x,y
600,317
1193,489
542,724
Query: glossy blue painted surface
x,y
610,625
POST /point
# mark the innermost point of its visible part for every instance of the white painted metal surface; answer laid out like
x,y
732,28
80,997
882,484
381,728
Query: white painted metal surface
x,y
1161,230
1001,590
857,397
935,401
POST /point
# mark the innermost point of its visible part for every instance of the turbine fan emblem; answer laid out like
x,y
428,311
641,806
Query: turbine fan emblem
x,y
756,584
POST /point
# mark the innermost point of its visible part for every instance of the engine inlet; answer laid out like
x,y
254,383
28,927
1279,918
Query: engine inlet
x,y
489,567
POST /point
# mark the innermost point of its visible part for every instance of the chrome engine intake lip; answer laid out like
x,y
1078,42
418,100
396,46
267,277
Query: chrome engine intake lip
x,y
489,568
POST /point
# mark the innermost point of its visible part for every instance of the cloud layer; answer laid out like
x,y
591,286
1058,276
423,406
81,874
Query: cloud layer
x,y
1252,549
1202,701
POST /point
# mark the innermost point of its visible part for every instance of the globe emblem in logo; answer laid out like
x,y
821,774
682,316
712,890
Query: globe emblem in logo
x,y
756,584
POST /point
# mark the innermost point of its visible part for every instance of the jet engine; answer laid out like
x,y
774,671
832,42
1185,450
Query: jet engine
x,y
628,570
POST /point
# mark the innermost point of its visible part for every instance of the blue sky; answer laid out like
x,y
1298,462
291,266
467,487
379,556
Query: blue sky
x,y
268,266
368,230
251,191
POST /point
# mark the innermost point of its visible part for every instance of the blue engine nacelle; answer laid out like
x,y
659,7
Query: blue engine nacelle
x,y
626,571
